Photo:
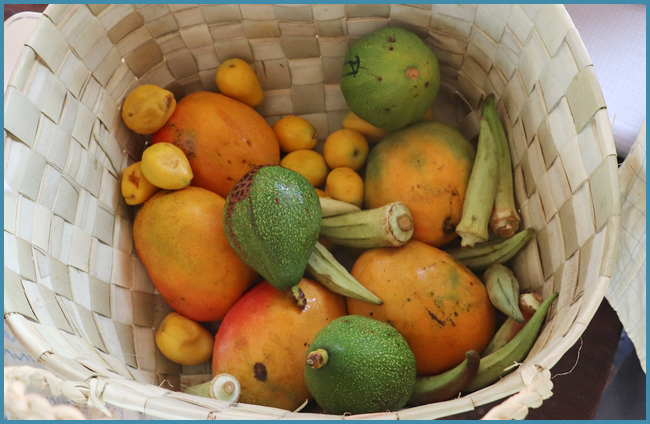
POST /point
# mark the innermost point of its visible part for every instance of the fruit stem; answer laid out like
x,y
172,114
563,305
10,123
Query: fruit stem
x,y
298,297
222,387
481,189
388,225
505,220
318,358
412,73
405,222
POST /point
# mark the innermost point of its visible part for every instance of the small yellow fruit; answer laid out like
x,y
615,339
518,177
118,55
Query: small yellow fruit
x,y
353,122
147,108
295,133
346,148
428,115
346,185
321,193
166,166
136,188
308,163
183,340
236,79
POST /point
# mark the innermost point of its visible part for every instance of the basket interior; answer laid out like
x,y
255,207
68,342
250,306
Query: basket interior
x,y
70,264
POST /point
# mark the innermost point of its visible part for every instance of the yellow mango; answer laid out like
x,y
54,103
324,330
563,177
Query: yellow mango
x,y
353,122
236,79
308,163
295,133
136,188
346,148
166,166
183,340
346,185
147,108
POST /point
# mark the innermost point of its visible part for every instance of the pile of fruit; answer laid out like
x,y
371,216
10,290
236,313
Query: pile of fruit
x,y
250,225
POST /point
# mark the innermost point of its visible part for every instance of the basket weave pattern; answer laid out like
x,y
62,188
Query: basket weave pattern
x,y
78,298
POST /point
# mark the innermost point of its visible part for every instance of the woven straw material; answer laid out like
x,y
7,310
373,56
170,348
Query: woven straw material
x,y
80,301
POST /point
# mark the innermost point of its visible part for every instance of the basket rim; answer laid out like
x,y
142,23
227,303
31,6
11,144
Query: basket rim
x,y
155,401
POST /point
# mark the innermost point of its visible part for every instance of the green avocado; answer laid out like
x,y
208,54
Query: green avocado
x,y
390,78
272,218
359,365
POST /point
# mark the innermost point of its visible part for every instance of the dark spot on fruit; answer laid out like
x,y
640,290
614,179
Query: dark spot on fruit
x,y
455,314
372,313
182,298
135,180
426,84
448,226
379,79
241,187
229,162
259,370
454,193
435,318
416,95
391,323
277,201
305,344
391,39
408,299
387,109
390,48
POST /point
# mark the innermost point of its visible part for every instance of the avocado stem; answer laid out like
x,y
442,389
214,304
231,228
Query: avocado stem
x,y
298,297
318,358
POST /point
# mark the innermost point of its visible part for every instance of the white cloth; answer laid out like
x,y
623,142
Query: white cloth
x,y
626,292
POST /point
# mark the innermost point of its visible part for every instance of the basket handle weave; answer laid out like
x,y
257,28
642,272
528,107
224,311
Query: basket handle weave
x,y
32,406
24,405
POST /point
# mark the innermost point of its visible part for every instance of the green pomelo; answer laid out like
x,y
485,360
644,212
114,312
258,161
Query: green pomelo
x,y
272,219
390,78
369,367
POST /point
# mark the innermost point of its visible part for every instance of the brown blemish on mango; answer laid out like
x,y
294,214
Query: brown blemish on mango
x,y
259,370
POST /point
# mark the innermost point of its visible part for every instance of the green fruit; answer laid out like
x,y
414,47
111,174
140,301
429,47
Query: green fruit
x,y
272,219
359,365
390,78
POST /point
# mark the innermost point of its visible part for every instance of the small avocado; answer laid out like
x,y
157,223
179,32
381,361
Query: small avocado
x,y
359,365
272,219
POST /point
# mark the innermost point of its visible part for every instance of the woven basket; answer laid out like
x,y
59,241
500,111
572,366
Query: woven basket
x,y
80,301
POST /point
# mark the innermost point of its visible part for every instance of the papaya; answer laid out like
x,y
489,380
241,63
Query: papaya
x,y
426,166
440,307
264,339
179,238
223,139
390,78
